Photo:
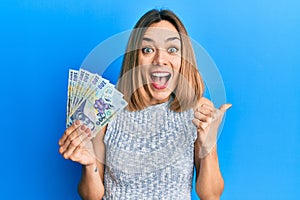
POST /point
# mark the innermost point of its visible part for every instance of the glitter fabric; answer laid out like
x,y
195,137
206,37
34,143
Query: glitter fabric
x,y
150,154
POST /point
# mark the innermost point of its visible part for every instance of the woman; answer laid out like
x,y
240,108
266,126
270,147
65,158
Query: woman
x,y
150,148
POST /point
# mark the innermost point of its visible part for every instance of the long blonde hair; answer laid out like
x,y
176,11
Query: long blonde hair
x,y
190,85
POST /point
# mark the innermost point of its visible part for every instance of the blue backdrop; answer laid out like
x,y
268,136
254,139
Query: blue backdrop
x,y
255,45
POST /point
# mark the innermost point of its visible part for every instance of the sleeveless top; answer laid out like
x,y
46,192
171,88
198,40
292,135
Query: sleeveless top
x,y
150,154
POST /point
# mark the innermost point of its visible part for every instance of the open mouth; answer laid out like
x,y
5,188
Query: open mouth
x,y
160,79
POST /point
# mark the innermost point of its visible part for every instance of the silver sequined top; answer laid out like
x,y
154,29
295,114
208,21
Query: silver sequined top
x,y
150,154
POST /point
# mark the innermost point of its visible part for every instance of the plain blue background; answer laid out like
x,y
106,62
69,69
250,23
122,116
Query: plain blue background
x,y
255,45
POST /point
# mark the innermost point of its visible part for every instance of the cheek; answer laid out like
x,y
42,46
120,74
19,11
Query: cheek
x,y
144,60
177,63
144,69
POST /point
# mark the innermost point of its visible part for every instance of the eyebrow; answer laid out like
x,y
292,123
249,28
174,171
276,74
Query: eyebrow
x,y
172,38
167,40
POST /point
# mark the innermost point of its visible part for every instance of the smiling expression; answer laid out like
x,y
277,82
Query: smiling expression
x,y
160,59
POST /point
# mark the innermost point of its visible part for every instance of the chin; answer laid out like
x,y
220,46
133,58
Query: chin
x,y
160,96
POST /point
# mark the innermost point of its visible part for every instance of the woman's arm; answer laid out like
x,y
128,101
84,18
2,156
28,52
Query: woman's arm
x,y
76,145
91,184
209,181
207,119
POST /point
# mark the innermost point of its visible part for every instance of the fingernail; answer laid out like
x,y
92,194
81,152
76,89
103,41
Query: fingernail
x,y
83,127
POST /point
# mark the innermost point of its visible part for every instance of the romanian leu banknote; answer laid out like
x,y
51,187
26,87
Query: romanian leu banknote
x,y
92,99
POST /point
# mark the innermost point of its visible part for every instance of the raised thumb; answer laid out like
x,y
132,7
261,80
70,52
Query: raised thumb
x,y
225,106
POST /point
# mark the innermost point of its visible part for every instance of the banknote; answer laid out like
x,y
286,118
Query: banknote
x,y
69,91
92,99
83,83
73,75
78,86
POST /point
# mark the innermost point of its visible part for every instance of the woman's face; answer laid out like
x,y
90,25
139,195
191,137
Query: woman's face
x,y
160,60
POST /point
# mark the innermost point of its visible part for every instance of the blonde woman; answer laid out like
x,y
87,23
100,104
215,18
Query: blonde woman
x,y
149,150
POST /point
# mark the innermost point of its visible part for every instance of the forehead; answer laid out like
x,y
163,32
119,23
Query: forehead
x,y
161,30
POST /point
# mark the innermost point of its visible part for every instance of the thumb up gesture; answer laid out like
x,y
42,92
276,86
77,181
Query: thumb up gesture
x,y
207,120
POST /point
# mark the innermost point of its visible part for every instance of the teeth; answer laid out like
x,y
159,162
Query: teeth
x,y
160,74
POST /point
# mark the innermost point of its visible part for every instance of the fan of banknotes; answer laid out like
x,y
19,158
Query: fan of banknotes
x,y
92,100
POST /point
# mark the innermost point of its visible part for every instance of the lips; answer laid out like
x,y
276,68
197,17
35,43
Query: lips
x,y
160,79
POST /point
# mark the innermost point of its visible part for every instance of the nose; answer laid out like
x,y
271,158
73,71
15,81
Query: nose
x,y
160,57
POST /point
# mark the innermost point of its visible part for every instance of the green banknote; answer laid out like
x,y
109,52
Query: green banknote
x,y
92,100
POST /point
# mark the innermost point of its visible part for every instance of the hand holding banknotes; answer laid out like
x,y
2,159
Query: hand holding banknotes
x,y
92,103
76,145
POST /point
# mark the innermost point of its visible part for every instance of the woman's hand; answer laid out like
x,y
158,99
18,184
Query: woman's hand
x,y
207,120
76,144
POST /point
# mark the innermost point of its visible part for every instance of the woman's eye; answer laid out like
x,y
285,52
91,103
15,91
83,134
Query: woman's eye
x,y
147,50
172,50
